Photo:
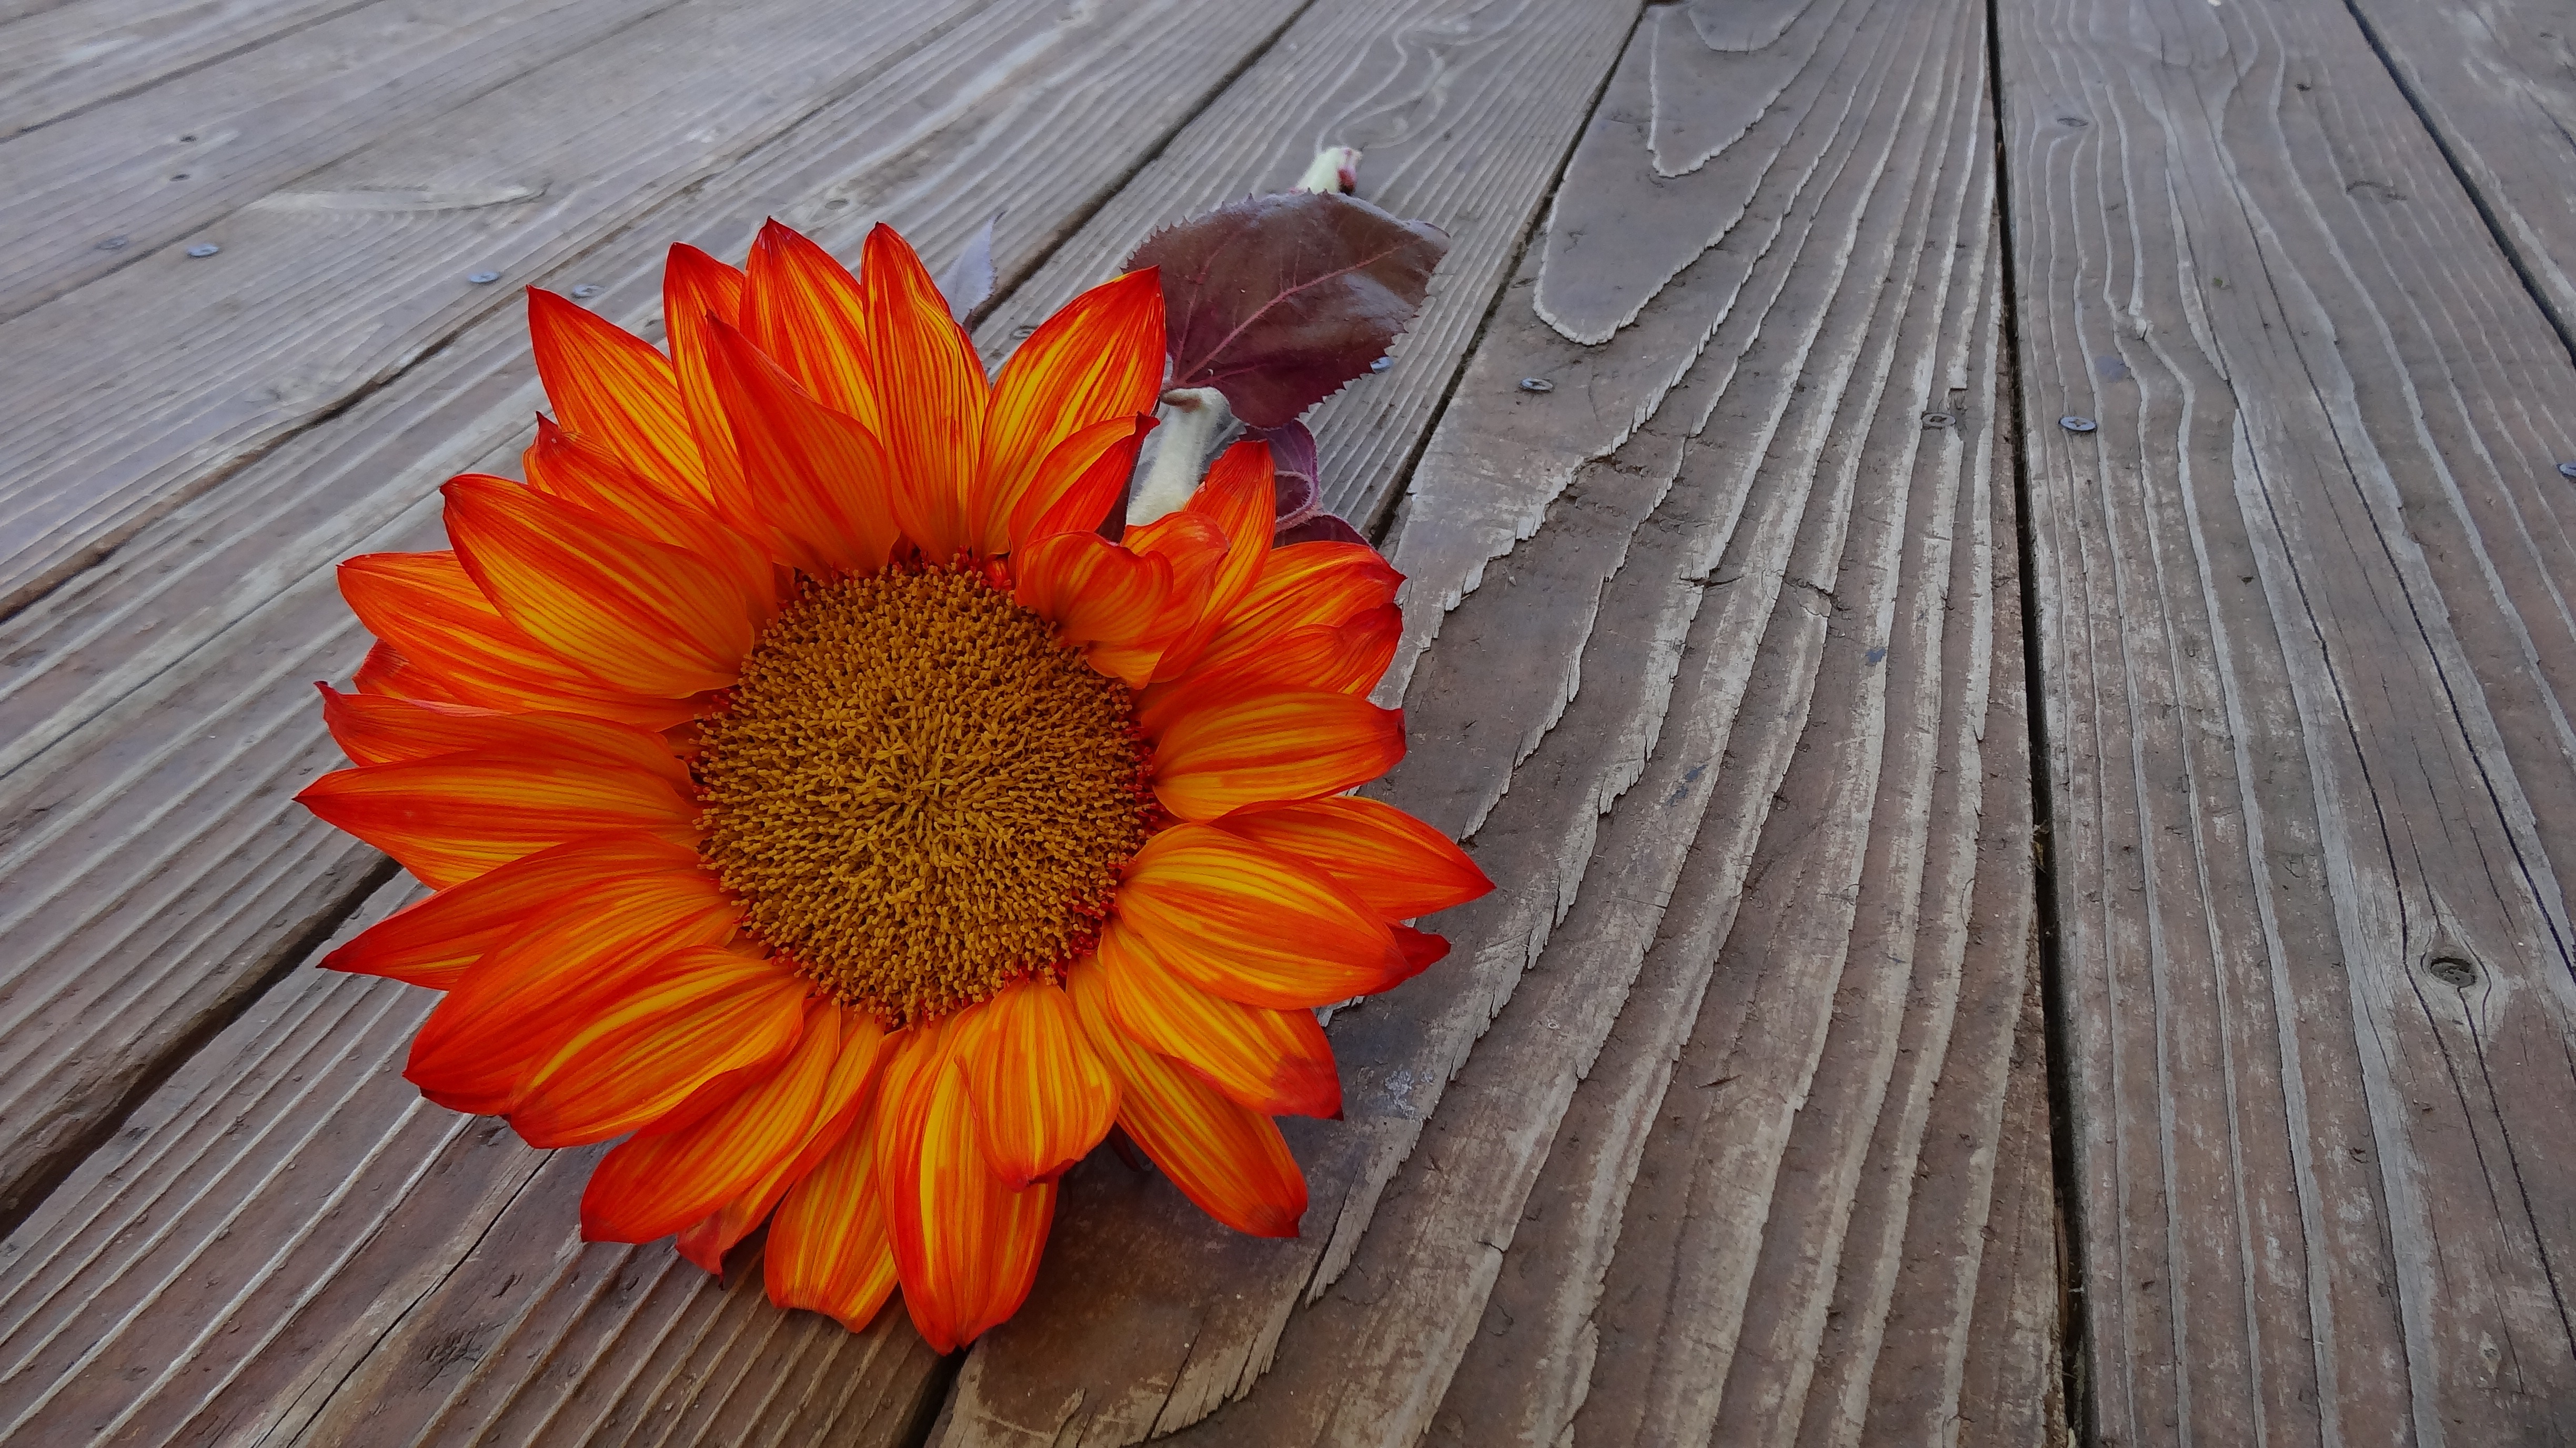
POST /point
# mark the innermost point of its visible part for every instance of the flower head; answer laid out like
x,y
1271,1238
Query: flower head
x,y
814,796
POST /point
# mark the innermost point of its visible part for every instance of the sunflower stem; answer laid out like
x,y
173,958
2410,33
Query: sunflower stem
x,y
1192,416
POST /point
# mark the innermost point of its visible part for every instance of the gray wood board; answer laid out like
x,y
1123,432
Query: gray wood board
x,y
1573,722
2306,655
160,711
74,56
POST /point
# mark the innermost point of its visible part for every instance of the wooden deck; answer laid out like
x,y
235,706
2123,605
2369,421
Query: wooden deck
x,y
2019,691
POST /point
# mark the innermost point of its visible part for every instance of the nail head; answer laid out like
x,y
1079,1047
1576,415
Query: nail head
x,y
585,290
481,278
2078,122
2567,470
2076,424
113,243
1381,364
1537,384
204,248
1937,419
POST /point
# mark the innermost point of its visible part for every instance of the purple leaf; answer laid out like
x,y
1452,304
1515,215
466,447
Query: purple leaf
x,y
969,279
1321,528
1292,461
1279,300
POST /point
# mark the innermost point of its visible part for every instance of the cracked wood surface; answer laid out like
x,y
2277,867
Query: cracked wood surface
x,y
1578,710
2308,658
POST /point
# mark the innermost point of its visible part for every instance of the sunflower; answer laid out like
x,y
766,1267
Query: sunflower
x,y
818,796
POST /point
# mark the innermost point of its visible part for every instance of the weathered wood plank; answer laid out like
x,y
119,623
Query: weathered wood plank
x,y
162,165
159,711
2307,674
78,55
2490,78
476,1313
1610,585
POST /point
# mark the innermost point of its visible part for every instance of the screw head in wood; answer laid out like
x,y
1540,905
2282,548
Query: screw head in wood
x,y
482,278
585,290
2567,470
1937,419
2451,970
204,248
1381,364
2073,423
1537,384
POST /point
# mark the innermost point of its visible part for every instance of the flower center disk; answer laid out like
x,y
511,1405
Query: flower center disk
x,y
918,794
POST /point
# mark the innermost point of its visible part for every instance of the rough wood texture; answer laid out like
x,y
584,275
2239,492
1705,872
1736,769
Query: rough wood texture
x,y
150,867
73,56
2308,654
1582,675
2490,78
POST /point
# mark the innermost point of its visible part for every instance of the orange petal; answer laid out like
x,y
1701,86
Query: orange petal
x,y
1345,658
642,615
1397,865
425,606
478,1050
1240,497
1042,1099
1079,482
386,672
1097,593
372,729
1100,359
829,1251
1229,1159
965,1244
1421,948
1259,746
1301,585
653,1185
1275,1062
1250,925
688,1019
698,290
847,1095
615,390
816,486
433,942
454,817
805,310
564,467
931,390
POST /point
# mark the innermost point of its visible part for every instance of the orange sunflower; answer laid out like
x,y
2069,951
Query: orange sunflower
x,y
815,797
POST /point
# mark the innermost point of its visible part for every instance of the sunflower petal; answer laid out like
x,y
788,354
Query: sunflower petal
x,y
1302,585
1079,482
1097,593
829,1251
564,467
433,942
818,487
965,1244
1344,658
371,729
1395,864
1253,926
805,309
504,1018
1228,1158
426,607
847,1094
616,390
918,353
1099,359
688,1019
1262,745
698,292
454,817
1274,1062
642,615
1240,498
386,673
1042,1099
653,1185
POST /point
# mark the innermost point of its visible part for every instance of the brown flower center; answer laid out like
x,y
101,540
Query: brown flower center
x,y
918,794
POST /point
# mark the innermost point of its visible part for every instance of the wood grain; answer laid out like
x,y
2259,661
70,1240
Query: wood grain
x,y
2307,660
476,1313
1581,674
165,164
2490,78
78,55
